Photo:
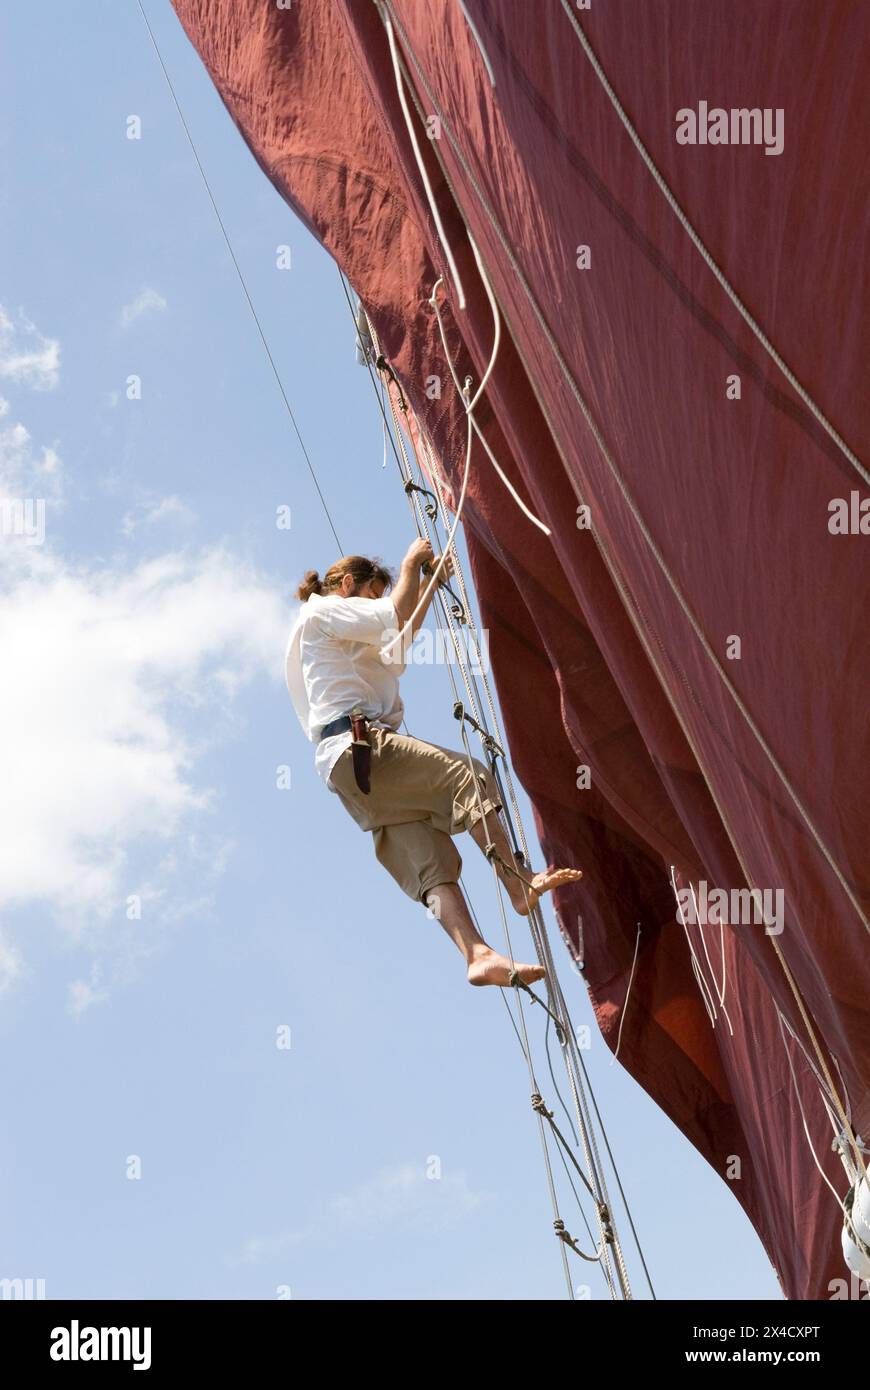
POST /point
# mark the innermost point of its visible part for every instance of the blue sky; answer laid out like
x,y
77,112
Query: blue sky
x,y
146,718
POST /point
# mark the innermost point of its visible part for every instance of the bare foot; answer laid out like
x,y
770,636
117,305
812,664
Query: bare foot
x,y
544,883
492,969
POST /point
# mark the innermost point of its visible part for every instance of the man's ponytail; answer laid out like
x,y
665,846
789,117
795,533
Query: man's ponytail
x,y
311,584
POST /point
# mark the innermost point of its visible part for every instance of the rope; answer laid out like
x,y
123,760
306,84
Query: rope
x,y
837,1198
847,1126
433,207
400,88
720,992
536,521
827,1098
242,281
624,1009
469,410
706,993
702,249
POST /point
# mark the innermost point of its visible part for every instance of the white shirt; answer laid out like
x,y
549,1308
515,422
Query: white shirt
x,y
335,663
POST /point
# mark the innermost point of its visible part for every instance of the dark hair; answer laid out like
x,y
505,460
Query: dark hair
x,y
363,572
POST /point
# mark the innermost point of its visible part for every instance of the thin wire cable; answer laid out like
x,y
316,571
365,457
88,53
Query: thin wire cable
x,y
242,281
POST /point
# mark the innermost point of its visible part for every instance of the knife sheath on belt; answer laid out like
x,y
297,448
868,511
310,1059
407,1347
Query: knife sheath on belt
x,y
361,751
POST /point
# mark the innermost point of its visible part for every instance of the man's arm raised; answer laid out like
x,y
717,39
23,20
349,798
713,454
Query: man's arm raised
x,y
407,587
420,556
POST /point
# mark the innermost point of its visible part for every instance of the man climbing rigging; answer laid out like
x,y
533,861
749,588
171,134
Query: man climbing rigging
x,y
342,669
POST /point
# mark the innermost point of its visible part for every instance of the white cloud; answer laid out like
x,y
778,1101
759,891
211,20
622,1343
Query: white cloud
x,y
26,356
10,963
102,670
402,1196
148,301
27,470
115,679
83,993
152,513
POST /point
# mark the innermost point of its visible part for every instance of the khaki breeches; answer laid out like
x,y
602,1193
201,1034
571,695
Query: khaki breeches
x,y
421,796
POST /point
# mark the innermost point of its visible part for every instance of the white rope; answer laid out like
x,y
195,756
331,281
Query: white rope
x,y
536,521
400,87
702,249
422,524
624,1009
827,1096
433,207
696,966
424,598
719,991
837,1198
469,409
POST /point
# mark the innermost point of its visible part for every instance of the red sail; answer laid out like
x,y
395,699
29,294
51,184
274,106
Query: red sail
x,y
628,381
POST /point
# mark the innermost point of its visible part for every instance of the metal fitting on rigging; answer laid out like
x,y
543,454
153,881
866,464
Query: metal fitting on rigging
x,y
489,743
383,366
430,507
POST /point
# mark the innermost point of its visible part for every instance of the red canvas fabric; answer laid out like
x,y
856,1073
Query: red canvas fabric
x,y
707,506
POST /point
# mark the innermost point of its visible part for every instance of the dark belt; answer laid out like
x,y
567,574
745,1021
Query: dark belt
x,y
361,749
338,726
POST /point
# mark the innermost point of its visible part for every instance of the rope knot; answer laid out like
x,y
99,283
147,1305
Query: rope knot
x,y
607,1229
539,1106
